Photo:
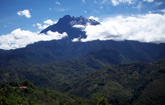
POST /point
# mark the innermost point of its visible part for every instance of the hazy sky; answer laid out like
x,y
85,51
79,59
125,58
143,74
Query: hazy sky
x,y
35,15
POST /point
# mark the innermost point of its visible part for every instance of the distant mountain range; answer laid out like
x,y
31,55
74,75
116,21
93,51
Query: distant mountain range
x,y
110,52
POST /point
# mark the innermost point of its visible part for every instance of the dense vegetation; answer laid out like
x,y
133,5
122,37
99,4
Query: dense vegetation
x,y
12,94
128,84
48,75
55,73
131,84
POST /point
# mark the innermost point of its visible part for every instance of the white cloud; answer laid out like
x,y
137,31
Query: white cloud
x,y
62,9
21,38
103,1
85,11
50,9
79,26
83,1
50,22
58,3
163,10
46,24
139,6
158,3
25,12
76,39
94,18
150,1
41,27
144,28
117,2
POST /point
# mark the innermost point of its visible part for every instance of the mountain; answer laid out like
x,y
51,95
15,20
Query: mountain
x,y
53,51
131,84
62,50
66,24
55,72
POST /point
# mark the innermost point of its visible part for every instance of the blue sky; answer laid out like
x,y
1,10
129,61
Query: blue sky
x,y
12,16
53,9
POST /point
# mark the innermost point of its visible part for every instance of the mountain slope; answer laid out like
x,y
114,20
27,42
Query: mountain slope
x,y
55,73
132,84
53,51
62,50
12,94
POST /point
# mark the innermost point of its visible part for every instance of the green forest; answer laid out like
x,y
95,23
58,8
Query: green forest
x,y
13,94
126,84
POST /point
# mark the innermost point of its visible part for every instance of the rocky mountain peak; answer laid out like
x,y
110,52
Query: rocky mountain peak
x,y
66,23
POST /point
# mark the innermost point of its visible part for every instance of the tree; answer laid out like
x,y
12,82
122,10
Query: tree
x,y
102,101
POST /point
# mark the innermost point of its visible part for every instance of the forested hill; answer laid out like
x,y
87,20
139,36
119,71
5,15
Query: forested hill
x,y
132,84
25,93
127,84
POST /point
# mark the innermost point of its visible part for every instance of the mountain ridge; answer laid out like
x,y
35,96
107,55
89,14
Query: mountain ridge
x,y
53,51
45,52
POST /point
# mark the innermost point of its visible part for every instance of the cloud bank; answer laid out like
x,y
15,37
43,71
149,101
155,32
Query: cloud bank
x,y
25,13
143,28
21,38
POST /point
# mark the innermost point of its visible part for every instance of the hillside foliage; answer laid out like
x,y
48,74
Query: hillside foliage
x,y
131,84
